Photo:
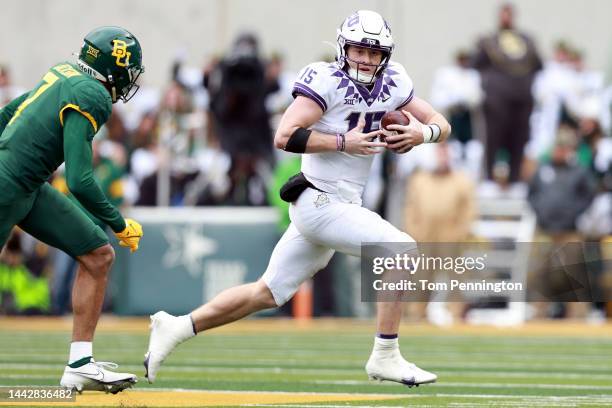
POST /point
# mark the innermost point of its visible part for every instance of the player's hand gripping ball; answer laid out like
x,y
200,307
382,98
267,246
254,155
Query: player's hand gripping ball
x,y
392,118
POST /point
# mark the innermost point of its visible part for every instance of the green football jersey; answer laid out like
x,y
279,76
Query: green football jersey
x,y
31,145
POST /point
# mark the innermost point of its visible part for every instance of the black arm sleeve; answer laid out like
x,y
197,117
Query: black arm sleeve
x,y
78,132
8,111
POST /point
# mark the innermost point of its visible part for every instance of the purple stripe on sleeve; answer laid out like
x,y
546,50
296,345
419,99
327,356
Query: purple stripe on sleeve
x,y
301,89
407,100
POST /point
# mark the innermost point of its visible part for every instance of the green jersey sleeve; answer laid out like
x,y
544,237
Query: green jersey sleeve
x,y
79,172
9,110
91,100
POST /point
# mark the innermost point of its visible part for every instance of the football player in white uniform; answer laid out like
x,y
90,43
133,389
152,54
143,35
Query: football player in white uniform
x,y
334,121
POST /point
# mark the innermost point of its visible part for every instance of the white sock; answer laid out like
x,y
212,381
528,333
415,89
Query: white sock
x,y
185,327
79,350
383,345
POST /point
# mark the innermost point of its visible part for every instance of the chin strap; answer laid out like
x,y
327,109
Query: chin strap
x,y
356,75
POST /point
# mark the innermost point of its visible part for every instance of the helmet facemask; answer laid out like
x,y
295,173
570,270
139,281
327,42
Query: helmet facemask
x,y
356,73
129,90
125,93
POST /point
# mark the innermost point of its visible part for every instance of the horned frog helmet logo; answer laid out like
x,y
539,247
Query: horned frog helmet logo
x,y
121,53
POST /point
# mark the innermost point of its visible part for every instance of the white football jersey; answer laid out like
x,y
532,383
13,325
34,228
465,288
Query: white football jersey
x,y
344,102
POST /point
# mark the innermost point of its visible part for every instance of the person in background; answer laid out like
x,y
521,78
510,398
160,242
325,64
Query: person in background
x,y
507,61
457,91
238,88
552,89
8,91
440,197
560,191
24,288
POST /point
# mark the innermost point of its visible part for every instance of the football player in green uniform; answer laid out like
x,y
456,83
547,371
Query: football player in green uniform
x,y
54,123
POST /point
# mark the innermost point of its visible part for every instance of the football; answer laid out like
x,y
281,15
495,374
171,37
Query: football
x,y
392,118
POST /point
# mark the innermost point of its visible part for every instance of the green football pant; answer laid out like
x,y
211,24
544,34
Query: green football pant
x,y
52,218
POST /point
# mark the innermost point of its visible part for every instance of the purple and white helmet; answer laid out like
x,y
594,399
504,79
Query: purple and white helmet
x,y
364,28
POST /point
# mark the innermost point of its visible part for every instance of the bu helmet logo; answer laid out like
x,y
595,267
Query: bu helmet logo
x,y
120,51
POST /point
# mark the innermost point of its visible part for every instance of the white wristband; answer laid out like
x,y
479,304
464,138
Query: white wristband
x,y
431,133
427,134
436,131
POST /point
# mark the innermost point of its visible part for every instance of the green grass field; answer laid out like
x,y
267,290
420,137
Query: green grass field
x,y
281,363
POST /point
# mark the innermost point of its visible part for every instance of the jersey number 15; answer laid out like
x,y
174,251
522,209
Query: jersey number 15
x,y
372,120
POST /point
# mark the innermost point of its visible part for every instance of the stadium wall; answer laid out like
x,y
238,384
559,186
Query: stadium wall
x,y
188,255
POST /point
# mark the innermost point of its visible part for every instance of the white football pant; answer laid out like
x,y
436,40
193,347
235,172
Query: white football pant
x,y
322,223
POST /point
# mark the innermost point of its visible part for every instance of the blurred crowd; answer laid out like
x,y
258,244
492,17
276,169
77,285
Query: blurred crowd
x,y
523,127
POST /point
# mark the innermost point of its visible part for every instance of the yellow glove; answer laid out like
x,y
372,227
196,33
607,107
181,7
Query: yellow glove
x,y
131,235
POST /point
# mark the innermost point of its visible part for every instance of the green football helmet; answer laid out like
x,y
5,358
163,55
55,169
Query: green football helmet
x,y
113,56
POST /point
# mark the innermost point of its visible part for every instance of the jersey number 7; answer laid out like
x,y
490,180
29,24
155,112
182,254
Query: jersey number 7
x,y
48,80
